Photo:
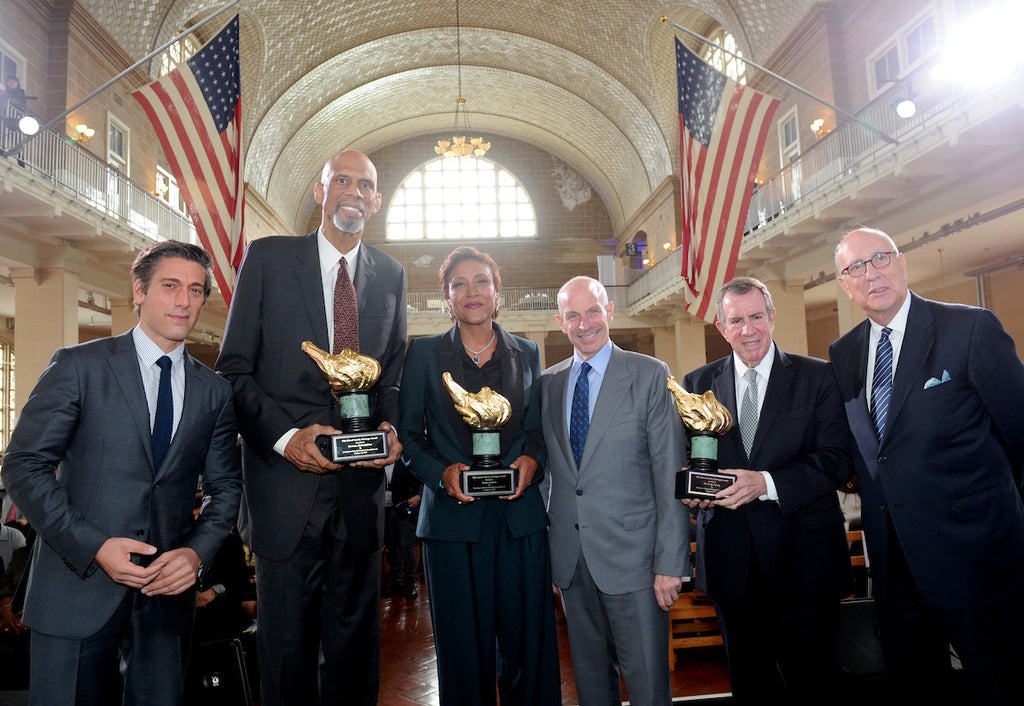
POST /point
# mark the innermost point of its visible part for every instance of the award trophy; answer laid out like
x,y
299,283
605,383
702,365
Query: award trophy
x,y
706,419
350,375
485,412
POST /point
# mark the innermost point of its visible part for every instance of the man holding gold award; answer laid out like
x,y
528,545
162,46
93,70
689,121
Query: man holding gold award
x,y
771,546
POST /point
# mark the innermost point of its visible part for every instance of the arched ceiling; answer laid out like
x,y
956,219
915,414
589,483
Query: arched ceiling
x,y
593,83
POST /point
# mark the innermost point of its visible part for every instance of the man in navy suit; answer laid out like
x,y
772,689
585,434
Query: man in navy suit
x,y
942,509
110,581
316,527
772,548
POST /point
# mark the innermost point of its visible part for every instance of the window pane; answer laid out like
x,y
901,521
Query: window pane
x,y
453,199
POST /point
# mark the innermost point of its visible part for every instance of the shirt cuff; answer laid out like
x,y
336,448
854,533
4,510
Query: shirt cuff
x,y
771,493
282,443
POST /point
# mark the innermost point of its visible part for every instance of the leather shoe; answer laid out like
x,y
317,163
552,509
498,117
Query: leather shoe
x,y
412,593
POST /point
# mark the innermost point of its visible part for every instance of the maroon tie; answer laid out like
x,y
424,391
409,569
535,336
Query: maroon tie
x,y
346,314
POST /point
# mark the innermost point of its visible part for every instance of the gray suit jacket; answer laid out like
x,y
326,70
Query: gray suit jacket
x,y
88,414
278,303
619,506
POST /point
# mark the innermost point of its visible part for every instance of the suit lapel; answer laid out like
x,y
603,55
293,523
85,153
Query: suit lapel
x,y
918,340
124,366
308,282
366,273
555,401
723,384
775,395
613,390
854,394
191,411
447,361
512,375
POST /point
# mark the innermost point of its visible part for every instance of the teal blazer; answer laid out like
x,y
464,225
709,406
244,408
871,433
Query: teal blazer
x,y
434,436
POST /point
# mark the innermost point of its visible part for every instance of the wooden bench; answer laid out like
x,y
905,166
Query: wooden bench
x,y
692,621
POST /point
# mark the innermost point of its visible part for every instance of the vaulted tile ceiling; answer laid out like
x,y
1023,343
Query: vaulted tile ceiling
x,y
591,81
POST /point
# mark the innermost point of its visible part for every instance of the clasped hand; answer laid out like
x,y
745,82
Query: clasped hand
x,y
168,574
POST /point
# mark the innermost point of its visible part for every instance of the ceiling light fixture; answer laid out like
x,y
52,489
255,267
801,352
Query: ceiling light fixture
x,y
460,145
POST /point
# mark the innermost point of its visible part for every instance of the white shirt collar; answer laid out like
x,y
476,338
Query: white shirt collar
x,y
329,255
764,368
149,352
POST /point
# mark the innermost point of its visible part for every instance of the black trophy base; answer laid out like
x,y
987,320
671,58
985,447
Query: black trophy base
x,y
489,483
349,448
701,485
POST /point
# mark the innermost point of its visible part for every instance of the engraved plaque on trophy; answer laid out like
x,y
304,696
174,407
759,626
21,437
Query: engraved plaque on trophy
x,y
485,412
350,375
706,419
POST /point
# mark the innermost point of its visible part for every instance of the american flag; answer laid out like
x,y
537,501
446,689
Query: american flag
x,y
722,129
196,111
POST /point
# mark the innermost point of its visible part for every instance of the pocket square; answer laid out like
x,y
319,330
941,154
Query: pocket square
x,y
932,382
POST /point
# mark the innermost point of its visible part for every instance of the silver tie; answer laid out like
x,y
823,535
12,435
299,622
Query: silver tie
x,y
748,412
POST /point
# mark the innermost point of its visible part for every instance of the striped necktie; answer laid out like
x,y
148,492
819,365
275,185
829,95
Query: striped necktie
x,y
748,414
881,383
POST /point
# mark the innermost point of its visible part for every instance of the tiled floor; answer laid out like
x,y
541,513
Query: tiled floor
x,y
409,678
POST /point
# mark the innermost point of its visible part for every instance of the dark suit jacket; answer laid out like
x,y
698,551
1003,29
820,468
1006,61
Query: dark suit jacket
x,y
798,544
404,484
279,303
88,413
434,436
619,506
946,470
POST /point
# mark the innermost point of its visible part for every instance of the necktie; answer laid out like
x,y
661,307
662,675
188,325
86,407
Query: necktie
x,y
163,421
579,419
346,314
748,413
881,383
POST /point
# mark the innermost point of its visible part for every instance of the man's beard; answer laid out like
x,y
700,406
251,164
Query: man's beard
x,y
348,226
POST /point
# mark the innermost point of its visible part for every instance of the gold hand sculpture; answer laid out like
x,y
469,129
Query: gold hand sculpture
x,y
347,370
479,410
700,412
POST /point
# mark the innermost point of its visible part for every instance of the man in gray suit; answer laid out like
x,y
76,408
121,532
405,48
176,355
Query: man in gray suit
x,y
619,538
110,579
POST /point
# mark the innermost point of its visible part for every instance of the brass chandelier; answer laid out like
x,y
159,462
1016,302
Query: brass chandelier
x,y
460,145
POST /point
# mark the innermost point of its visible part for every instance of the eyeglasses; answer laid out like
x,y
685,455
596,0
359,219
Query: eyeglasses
x,y
880,260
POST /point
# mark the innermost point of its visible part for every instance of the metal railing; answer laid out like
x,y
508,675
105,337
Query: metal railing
x,y
849,146
430,301
61,161
840,153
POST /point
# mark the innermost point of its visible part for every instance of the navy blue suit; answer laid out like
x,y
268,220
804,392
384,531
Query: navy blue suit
x,y
767,563
941,504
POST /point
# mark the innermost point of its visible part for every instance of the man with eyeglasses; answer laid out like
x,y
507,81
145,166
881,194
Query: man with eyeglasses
x,y
933,394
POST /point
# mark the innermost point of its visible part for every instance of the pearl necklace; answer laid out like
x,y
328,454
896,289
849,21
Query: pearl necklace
x,y
476,354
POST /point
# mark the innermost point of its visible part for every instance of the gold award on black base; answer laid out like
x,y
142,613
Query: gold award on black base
x,y
706,419
350,376
485,412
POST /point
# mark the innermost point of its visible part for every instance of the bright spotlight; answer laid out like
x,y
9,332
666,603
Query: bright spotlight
x,y
28,125
905,108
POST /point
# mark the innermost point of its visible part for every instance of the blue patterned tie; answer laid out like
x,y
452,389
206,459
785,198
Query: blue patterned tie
x,y
163,421
579,420
881,383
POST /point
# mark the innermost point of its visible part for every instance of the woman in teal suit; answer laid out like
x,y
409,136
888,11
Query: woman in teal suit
x,y
487,562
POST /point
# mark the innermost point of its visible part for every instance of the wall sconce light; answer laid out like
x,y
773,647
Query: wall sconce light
x,y
161,189
647,262
818,128
667,246
85,133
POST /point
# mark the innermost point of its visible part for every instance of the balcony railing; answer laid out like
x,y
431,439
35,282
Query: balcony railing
x,y
840,153
850,145
430,301
61,161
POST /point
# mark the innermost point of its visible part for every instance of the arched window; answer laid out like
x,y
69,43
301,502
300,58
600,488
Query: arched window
x,y
460,199
734,68
180,51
